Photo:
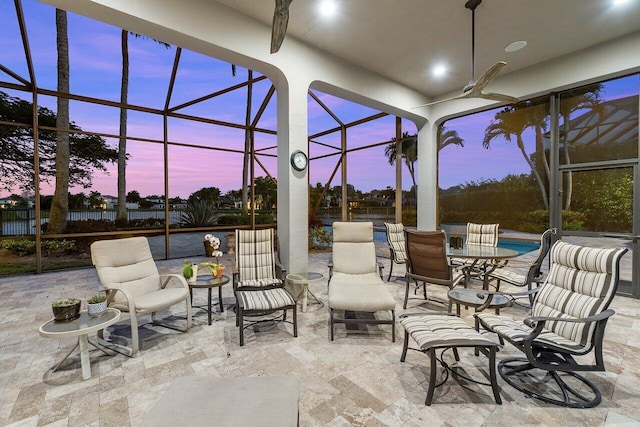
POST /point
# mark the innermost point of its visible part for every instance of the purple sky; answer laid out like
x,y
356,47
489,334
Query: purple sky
x,y
95,71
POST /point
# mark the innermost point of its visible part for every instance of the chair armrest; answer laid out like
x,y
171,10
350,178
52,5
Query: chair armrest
x,y
534,321
111,292
281,272
170,276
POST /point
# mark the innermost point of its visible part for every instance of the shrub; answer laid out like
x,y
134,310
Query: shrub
x,y
24,247
198,213
245,219
319,238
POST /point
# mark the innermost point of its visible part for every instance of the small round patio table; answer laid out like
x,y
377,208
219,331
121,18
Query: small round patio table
x,y
304,279
80,327
478,299
209,282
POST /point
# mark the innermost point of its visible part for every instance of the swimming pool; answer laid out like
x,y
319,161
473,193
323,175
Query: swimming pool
x,y
521,246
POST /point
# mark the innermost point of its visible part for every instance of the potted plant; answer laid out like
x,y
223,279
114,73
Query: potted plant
x,y
190,271
96,305
216,269
66,309
211,245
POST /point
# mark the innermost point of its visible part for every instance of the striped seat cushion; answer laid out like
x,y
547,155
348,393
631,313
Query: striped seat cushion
x,y
443,331
259,283
509,276
515,331
265,299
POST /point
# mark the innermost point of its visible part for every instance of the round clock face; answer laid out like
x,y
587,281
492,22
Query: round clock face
x,y
299,160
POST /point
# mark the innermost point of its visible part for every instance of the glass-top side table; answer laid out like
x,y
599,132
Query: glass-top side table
x,y
477,299
80,327
304,279
209,282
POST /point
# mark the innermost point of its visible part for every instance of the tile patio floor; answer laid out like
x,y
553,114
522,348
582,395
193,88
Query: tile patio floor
x,y
356,380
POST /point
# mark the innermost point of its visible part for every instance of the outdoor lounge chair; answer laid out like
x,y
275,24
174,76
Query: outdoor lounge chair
x,y
356,285
397,247
130,277
427,262
257,281
568,318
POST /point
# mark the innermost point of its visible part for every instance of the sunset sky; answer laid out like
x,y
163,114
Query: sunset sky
x,y
95,59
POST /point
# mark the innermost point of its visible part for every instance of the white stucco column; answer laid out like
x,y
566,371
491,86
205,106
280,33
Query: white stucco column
x,y
293,186
427,176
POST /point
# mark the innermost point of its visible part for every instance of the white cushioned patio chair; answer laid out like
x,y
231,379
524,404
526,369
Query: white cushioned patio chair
x,y
258,281
568,318
356,285
131,280
397,246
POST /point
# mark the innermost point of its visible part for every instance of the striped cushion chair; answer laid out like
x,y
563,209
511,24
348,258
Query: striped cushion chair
x,y
397,246
482,235
568,318
257,281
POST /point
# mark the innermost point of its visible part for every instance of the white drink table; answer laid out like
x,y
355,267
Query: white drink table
x,y
81,328
304,279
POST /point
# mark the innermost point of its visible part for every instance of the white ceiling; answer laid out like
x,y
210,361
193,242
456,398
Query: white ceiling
x,y
403,39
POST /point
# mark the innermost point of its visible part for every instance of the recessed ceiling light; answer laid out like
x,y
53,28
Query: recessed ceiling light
x,y
515,46
328,7
439,70
619,2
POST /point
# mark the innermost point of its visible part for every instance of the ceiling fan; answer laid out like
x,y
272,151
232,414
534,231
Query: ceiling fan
x,y
475,88
279,26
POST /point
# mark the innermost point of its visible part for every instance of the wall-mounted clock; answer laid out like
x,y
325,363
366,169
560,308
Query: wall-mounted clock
x,y
299,160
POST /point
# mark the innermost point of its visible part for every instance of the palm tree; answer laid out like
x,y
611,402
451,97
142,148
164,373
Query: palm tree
x,y
512,122
410,148
60,202
121,207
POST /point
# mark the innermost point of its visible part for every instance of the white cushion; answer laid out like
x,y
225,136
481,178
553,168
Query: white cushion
x,y
359,292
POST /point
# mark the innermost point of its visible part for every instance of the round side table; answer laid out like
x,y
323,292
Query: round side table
x,y
80,327
209,282
304,279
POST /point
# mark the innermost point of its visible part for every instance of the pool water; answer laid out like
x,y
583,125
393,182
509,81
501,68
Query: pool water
x,y
521,246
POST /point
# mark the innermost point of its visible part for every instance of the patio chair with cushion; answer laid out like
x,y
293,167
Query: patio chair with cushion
x,y
532,270
130,277
397,247
356,285
427,262
482,235
568,318
258,281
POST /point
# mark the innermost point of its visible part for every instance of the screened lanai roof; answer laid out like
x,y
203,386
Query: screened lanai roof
x,y
613,121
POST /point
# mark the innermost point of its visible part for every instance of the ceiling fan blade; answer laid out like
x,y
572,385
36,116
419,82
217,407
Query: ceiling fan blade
x,y
280,22
488,76
461,96
499,97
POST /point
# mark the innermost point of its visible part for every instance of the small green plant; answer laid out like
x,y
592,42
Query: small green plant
x,y
97,299
187,270
67,302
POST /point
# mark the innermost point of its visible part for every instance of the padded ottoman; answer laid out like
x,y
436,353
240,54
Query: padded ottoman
x,y
232,402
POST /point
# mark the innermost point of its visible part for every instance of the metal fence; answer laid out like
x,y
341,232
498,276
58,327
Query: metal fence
x,y
22,222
